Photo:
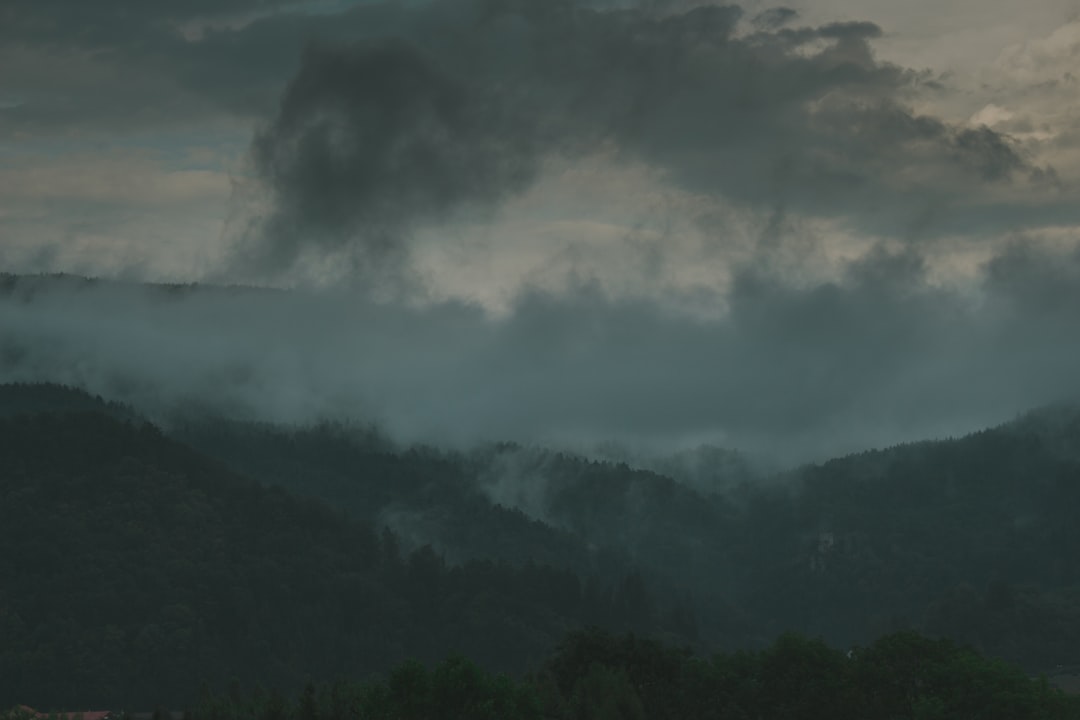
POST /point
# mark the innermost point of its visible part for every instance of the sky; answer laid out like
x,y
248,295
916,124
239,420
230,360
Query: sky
x,y
797,229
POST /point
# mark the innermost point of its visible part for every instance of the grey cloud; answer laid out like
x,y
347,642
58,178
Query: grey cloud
x,y
373,138
115,65
675,87
754,118
989,153
850,31
880,356
774,18
1033,284
789,120
111,23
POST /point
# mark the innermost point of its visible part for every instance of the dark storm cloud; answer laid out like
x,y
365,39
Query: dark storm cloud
x,y
878,356
803,116
774,18
371,139
787,119
1033,285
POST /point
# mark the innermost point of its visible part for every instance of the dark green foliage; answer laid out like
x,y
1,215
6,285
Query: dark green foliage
x,y
134,568
966,538
599,676
605,693
426,495
36,398
902,675
972,538
456,689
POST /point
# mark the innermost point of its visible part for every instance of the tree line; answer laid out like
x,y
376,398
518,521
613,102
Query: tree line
x,y
598,675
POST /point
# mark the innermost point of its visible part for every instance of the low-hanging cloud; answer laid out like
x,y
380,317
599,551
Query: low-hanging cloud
x,y
878,356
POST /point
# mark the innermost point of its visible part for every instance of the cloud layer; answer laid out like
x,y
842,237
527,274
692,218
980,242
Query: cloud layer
x,y
880,356
655,222
371,141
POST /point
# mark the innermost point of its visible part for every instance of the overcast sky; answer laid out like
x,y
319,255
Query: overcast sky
x,y
798,229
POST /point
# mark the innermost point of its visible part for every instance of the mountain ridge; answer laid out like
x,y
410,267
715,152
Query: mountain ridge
x,y
970,537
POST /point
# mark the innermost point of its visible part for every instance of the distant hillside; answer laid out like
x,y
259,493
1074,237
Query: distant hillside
x,y
134,569
423,494
594,675
973,538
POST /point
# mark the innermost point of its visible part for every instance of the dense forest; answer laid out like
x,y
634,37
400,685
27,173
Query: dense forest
x,y
594,675
973,538
134,569
143,562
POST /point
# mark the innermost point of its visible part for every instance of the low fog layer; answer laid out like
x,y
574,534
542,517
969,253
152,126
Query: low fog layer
x,y
877,357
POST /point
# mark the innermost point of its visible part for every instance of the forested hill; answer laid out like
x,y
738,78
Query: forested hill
x,y
973,538
134,569
596,676
36,398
